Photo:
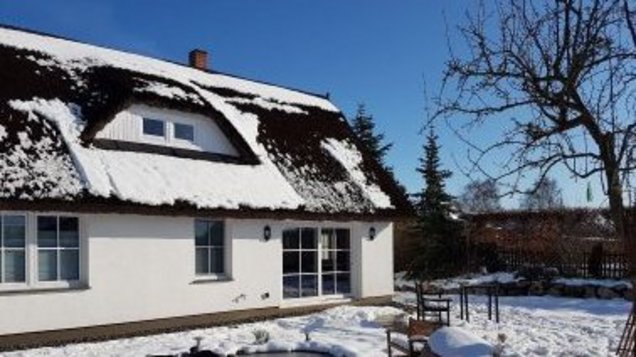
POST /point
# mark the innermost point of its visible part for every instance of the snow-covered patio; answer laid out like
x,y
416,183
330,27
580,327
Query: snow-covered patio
x,y
544,326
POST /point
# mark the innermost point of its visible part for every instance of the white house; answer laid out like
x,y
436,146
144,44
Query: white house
x,y
139,195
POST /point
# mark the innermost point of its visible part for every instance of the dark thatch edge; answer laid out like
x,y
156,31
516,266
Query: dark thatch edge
x,y
166,325
96,205
107,144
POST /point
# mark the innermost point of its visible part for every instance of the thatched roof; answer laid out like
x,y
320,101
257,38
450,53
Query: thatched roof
x,y
297,153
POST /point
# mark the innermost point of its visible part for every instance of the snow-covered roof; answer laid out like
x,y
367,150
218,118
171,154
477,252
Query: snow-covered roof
x,y
56,94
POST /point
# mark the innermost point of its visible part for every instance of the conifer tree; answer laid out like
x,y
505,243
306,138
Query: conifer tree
x,y
441,246
364,128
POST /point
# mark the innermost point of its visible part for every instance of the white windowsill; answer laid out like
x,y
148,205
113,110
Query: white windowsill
x,y
23,288
211,278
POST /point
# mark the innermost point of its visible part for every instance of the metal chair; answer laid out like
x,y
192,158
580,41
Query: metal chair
x,y
428,307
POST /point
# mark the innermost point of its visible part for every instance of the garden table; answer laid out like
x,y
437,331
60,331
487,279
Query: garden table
x,y
492,290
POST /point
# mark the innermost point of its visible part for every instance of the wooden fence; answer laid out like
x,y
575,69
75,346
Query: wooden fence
x,y
612,266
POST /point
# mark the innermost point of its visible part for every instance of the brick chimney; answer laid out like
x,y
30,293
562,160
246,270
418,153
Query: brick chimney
x,y
198,59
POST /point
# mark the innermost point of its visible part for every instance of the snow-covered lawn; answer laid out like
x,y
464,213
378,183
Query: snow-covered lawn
x,y
533,326
546,326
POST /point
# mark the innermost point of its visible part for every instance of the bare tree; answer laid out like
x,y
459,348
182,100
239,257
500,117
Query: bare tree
x,y
480,196
559,78
546,196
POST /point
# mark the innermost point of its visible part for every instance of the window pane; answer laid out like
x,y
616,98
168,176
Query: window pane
x,y
342,238
216,233
309,285
291,239
184,132
69,264
343,283
154,127
217,264
47,231
14,266
328,239
14,231
308,238
308,262
328,284
328,260
69,232
201,233
291,262
342,261
47,265
202,261
291,286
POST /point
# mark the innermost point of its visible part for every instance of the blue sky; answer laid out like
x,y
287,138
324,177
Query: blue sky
x,y
378,52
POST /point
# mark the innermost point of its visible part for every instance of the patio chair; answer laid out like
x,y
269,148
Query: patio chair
x,y
417,334
435,308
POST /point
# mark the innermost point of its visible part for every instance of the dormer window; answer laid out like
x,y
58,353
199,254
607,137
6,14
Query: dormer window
x,y
154,127
168,132
184,132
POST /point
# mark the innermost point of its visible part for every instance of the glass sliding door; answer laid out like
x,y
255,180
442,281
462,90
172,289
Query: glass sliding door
x,y
300,262
335,261
313,266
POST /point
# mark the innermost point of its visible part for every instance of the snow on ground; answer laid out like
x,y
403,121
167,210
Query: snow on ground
x,y
457,341
608,283
343,331
533,326
402,283
545,326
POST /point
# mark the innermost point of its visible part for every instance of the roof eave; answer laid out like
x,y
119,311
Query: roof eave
x,y
115,206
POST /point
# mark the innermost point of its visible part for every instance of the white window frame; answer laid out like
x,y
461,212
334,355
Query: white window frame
x,y
16,285
58,249
320,296
32,282
180,141
154,138
226,275
168,138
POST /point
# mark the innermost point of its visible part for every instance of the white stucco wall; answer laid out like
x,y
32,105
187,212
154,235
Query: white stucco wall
x,y
376,260
142,267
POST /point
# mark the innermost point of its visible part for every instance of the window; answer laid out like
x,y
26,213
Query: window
x,y
209,247
184,132
12,248
154,127
39,251
58,248
302,267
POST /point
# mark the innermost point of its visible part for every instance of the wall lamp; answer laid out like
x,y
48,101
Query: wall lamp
x,y
372,233
267,233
